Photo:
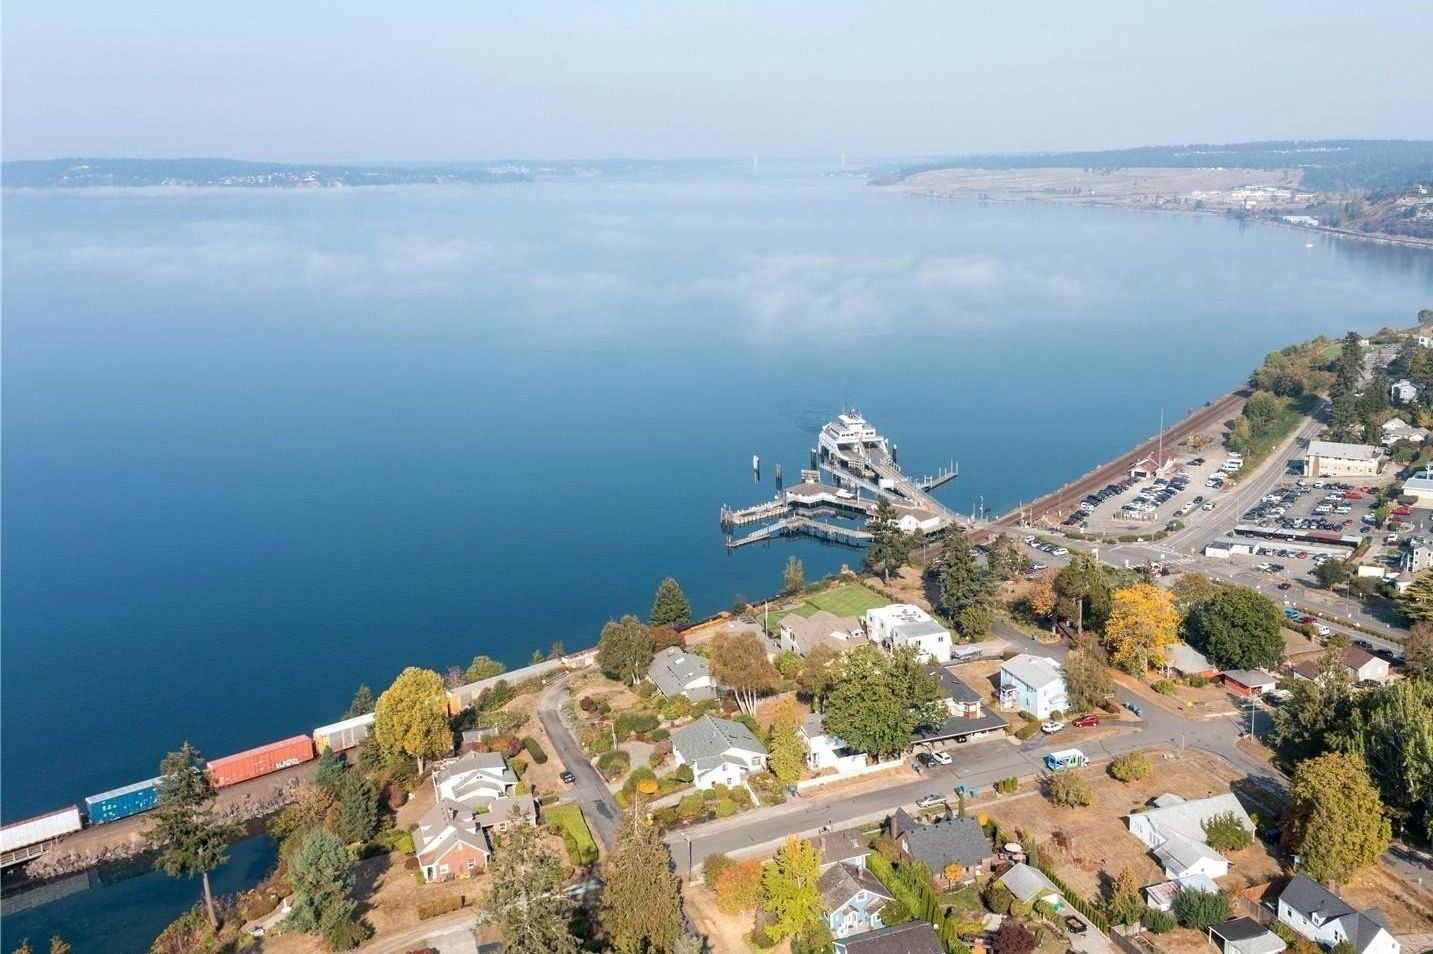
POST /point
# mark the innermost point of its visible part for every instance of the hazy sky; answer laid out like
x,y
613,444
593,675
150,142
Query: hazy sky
x,y
476,79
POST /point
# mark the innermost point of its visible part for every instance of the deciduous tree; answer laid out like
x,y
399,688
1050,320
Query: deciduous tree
x,y
1142,622
793,578
789,882
411,718
739,662
1391,728
814,680
1336,819
1041,596
876,702
527,901
787,751
1126,901
641,901
185,832
1418,652
670,608
1238,628
1087,674
483,667
1069,788
1192,589
624,650
1012,937
1226,832
738,888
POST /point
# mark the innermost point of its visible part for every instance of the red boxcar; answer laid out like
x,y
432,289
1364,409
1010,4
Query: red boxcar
x,y
242,766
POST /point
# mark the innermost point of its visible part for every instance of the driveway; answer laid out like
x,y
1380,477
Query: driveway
x,y
590,790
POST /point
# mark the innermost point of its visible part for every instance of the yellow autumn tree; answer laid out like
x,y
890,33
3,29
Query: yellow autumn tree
x,y
1142,622
1041,597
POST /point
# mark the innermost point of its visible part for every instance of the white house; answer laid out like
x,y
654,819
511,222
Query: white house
x,y
718,751
1424,341
802,634
1364,666
1033,684
1323,917
911,519
475,778
677,672
1396,429
901,624
1174,828
1417,555
1420,487
827,752
1403,392
1333,459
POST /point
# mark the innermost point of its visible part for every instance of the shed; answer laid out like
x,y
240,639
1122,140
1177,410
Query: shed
x,y
1245,936
1249,682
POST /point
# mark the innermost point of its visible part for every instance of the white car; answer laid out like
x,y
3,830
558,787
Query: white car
x,y
1060,551
941,758
929,801
1050,728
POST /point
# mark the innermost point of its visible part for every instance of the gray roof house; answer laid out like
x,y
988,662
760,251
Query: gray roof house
x,y
912,937
719,751
802,634
1244,936
853,899
1029,885
949,841
968,717
847,845
677,672
1322,916
475,778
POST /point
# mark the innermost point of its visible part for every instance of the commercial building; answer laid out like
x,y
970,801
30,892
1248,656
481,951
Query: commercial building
x,y
1420,487
1033,684
1332,459
901,624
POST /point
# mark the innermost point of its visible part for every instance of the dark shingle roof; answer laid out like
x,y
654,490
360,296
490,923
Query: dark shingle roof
x,y
913,937
842,882
957,839
1239,929
835,846
1308,897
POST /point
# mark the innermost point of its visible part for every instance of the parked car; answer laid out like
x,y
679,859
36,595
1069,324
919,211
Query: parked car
x,y
568,778
941,758
1050,728
1087,722
925,759
929,801
1074,925
1134,707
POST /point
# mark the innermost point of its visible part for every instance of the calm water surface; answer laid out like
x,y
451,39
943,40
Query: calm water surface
x,y
262,446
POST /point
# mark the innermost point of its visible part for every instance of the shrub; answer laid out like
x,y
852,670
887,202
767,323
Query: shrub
x,y
1200,909
1158,922
1019,909
1013,938
1027,731
886,848
712,867
1165,687
434,907
725,808
518,766
1130,767
1195,681
677,707
597,740
684,774
395,839
1070,789
587,704
534,751
612,764
1007,786
743,798
639,774
1225,832
347,935
634,723
658,735
1111,706
997,897
895,913
691,805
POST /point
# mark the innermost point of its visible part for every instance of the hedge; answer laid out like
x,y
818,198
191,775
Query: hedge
x,y
439,906
539,757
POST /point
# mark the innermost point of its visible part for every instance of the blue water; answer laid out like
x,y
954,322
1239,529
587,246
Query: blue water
x,y
262,446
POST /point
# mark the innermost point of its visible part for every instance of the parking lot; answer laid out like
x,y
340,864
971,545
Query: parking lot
x,y
1147,504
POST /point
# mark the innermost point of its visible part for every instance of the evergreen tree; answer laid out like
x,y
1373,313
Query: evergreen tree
x,y
1315,708
1391,728
185,832
330,771
1087,674
483,667
793,578
526,901
357,809
1418,598
793,898
966,589
641,901
1126,902
624,650
323,882
411,718
1337,821
1003,558
889,548
1083,592
1418,652
362,703
1200,910
670,609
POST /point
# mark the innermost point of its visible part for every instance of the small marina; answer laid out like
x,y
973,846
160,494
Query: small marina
x,y
862,467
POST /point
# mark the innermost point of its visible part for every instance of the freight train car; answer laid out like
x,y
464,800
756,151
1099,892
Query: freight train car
x,y
122,802
343,735
252,763
23,840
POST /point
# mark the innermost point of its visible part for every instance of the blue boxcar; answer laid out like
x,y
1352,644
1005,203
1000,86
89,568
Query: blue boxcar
x,y
121,802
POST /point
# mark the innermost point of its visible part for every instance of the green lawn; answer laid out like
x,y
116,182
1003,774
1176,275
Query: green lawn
x,y
569,819
966,902
850,599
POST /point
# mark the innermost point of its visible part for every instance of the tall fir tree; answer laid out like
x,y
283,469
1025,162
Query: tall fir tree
x,y
641,900
526,900
189,837
670,609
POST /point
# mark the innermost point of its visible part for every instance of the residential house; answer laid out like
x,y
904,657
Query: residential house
x,y
1029,884
1397,429
1417,555
474,778
1174,829
678,672
449,843
853,899
1033,684
1424,341
1161,896
1403,391
1320,915
901,624
912,937
1185,660
1244,936
969,718
827,752
1334,459
1361,665
946,841
1249,682
802,634
506,812
847,846
718,751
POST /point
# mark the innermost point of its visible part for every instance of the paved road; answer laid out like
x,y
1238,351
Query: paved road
x,y
590,791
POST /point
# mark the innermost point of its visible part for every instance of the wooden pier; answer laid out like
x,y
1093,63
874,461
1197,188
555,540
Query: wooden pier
x,y
803,526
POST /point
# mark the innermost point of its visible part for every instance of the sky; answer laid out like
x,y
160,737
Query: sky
x,y
364,81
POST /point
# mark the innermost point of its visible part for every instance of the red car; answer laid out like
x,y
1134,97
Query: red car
x,y
1353,495
1086,722
1307,619
1402,511
1302,554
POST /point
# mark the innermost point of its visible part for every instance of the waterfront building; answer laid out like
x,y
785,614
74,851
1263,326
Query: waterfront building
x,y
901,624
675,671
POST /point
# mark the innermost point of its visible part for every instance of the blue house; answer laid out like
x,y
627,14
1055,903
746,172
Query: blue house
x,y
853,899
